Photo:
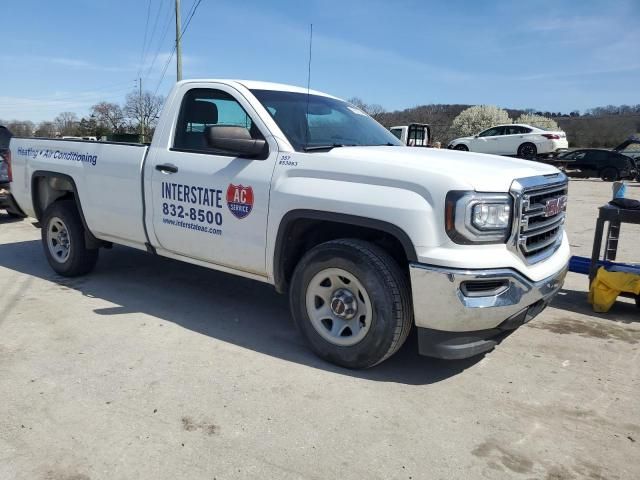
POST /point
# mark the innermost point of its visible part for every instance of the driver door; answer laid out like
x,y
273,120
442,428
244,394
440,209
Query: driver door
x,y
489,141
211,205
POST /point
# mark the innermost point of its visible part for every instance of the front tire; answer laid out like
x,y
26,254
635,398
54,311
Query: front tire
x,y
351,302
610,174
63,240
461,148
528,151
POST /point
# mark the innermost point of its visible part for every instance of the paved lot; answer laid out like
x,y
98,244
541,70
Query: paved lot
x,y
150,368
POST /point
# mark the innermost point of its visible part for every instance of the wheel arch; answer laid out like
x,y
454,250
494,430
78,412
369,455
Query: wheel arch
x,y
48,187
301,230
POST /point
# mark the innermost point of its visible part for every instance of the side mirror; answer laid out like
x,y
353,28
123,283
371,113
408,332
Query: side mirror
x,y
236,140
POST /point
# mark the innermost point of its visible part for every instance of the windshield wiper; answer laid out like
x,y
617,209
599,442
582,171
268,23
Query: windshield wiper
x,y
325,147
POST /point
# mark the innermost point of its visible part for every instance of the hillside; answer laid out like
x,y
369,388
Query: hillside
x,y
599,127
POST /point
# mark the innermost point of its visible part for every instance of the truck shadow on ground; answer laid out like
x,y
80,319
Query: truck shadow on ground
x,y
229,308
6,218
576,301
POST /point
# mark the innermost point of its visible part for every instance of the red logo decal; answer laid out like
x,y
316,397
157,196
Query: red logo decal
x,y
554,206
239,200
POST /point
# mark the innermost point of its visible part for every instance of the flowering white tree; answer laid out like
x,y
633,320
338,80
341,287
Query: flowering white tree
x,y
539,121
475,119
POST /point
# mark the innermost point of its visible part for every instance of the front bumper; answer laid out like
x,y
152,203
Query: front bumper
x,y
7,202
460,313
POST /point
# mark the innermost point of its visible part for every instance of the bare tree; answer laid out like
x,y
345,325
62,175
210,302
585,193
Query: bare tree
x,y
143,110
66,123
373,109
46,129
21,128
110,115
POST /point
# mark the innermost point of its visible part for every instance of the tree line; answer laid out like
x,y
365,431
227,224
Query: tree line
x,y
604,126
597,127
138,115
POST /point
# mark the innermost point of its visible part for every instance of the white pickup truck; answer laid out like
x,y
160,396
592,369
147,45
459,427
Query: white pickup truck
x,y
306,192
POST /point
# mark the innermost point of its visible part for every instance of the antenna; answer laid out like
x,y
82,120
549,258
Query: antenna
x,y
308,84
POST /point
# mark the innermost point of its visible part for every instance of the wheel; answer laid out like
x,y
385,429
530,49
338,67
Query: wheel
x,y
609,174
351,302
528,151
462,148
63,240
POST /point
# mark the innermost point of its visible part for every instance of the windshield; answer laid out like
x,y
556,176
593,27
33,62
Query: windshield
x,y
313,121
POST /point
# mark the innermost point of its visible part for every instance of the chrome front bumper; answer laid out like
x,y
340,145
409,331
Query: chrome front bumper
x,y
468,309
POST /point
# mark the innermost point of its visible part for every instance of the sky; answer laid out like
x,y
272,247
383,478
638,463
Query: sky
x,y
555,55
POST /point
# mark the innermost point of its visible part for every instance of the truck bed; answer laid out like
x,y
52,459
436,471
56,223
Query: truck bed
x,y
107,177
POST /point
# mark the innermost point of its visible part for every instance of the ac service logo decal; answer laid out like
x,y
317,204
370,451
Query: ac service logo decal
x,y
239,200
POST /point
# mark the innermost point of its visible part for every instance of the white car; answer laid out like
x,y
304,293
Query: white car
x,y
522,140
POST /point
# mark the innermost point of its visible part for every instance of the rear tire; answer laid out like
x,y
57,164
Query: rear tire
x,y
528,151
461,148
351,302
610,174
63,240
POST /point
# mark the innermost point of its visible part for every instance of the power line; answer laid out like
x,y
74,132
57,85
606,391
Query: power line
x,y
155,22
164,34
144,42
195,6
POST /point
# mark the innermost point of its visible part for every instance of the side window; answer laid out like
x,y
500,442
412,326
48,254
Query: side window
x,y
579,155
203,107
599,156
397,132
492,132
515,130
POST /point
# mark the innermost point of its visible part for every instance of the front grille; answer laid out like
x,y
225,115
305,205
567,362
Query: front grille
x,y
539,231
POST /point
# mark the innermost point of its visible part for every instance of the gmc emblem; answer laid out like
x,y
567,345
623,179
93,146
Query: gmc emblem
x,y
554,206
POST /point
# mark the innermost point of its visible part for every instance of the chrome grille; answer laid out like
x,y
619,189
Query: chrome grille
x,y
538,232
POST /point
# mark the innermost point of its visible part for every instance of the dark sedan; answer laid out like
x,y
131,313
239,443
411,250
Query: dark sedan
x,y
608,165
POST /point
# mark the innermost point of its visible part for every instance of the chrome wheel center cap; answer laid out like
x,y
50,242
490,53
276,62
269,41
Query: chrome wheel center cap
x,y
344,304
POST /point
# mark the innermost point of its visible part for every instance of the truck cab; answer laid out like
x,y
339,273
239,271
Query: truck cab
x,y
413,135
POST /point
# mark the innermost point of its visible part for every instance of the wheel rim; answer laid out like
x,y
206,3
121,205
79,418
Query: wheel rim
x,y
58,240
527,151
339,307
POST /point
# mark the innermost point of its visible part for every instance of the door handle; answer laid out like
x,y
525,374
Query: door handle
x,y
167,168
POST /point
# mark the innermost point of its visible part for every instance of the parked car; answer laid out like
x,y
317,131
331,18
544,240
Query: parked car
x,y
6,200
608,165
631,148
519,140
299,190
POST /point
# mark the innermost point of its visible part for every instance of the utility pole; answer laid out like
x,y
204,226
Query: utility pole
x,y
178,43
140,106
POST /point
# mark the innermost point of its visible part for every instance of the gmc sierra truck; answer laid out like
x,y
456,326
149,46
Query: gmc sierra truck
x,y
306,192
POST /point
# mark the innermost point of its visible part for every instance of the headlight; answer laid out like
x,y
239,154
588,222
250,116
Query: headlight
x,y
473,217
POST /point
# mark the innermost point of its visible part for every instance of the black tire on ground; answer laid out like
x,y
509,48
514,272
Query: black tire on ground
x,y
62,218
461,147
610,174
390,316
528,151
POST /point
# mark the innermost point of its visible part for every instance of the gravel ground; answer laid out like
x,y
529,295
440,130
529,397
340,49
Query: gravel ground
x,y
150,368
